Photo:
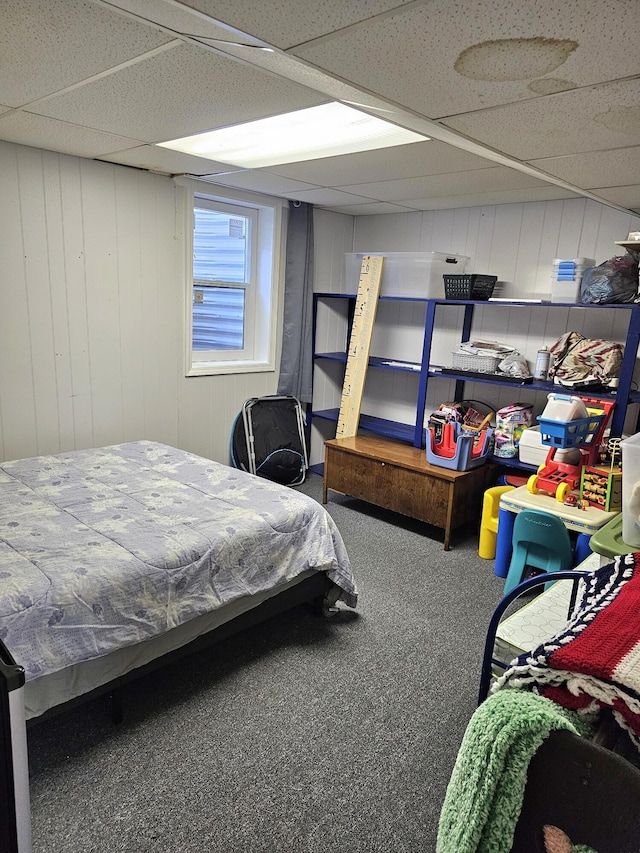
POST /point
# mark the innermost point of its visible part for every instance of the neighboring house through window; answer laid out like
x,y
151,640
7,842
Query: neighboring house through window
x,y
233,275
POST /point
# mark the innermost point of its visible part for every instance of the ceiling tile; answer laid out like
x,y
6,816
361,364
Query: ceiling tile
x,y
176,17
178,92
369,208
263,182
594,168
324,197
47,41
27,129
107,84
290,22
164,160
446,57
400,161
593,119
628,196
457,183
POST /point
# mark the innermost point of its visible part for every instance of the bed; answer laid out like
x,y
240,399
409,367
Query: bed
x,y
112,559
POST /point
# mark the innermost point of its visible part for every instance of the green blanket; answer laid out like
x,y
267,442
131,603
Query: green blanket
x,y
486,789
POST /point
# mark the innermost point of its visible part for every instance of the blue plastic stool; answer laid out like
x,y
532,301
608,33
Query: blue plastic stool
x,y
540,541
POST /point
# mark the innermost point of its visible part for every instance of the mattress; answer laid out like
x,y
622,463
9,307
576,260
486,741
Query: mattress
x,y
48,691
108,548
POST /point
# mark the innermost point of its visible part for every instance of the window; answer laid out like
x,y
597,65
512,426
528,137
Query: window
x,y
222,274
232,282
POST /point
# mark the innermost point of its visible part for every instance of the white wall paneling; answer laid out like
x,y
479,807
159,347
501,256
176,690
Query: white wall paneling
x,y
91,319
91,303
516,242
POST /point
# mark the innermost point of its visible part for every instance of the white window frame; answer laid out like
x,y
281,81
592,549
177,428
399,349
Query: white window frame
x,y
262,297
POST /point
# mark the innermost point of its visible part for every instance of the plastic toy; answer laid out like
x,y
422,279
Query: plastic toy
x,y
457,448
561,478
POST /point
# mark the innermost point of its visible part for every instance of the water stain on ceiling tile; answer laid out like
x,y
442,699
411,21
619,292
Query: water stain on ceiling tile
x,y
621,119
503,60
550,86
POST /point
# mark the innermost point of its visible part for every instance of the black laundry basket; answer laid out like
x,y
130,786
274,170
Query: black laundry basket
x,y
268,439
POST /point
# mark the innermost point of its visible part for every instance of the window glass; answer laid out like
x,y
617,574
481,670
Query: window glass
x,y
218,318
233,268
220,251
221,255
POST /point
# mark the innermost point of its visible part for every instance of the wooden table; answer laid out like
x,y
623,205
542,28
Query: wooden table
x,y
398,477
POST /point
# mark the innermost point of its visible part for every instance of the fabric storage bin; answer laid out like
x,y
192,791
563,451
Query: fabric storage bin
x,y
407,274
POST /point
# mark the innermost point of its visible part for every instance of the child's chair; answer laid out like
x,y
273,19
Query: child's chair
x,y
540,541
489,522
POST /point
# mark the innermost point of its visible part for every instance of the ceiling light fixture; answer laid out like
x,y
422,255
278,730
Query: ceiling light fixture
x,y
309,134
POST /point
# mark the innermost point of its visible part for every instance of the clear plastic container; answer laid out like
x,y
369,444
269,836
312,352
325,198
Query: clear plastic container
x,y
630,448
408,274
564,407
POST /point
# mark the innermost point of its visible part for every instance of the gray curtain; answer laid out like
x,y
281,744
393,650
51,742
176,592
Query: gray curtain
x,y
296,365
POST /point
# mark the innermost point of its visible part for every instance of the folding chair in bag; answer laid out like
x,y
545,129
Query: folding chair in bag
x,y
268,439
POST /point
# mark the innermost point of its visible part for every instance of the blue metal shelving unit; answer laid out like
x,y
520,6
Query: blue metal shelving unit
x,y
426,371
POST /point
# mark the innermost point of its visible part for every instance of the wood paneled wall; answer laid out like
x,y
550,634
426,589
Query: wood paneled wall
x,y
91,314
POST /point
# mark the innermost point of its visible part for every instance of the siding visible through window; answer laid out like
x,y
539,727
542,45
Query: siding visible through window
x,y
218,320
233,266
221,256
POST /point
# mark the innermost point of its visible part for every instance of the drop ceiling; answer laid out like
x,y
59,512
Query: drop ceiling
x,y
521,101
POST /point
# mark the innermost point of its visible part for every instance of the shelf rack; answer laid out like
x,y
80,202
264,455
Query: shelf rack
x,y
427,372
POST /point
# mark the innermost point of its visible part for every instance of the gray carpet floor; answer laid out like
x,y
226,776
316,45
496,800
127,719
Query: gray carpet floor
x,y
298,735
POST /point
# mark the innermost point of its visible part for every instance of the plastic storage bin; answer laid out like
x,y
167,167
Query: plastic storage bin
x,y
631,490
409,274
532,451
566,422
564,407
566,278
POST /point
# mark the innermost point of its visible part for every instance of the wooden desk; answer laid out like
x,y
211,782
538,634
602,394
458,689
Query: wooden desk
x,y
398,477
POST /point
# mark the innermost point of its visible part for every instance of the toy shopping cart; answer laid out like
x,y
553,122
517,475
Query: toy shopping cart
x,y
583,434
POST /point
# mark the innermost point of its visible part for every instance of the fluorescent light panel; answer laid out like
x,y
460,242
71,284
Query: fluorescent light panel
x,y
309,134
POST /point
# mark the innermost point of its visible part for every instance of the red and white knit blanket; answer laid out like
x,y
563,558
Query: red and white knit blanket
x,y
594,662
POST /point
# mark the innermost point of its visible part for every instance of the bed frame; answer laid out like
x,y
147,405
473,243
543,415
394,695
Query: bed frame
x,y
15,822
315,590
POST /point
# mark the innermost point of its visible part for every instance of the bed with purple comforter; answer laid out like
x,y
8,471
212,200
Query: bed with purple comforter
x,y
105,552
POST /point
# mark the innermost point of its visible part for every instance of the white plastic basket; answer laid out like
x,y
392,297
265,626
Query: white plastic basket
x,y
477,363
